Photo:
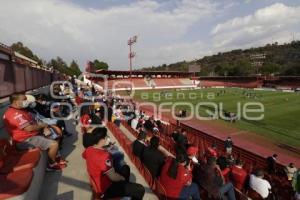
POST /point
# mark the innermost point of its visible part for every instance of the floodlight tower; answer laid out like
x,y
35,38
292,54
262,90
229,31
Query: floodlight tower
x,y
130,42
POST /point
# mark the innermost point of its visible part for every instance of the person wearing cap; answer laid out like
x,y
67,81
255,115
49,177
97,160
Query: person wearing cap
x,y
26,132
212,151
192,153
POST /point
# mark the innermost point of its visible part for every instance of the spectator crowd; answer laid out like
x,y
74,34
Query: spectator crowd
x,y
38,122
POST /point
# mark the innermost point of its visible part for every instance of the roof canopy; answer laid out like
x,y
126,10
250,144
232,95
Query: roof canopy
x,y
143,73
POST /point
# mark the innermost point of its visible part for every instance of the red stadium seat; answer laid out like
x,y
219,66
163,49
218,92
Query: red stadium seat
x,y
15,183
254,195
12,161
148,177
160,191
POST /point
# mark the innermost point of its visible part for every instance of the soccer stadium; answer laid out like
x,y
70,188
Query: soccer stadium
x,y
223,125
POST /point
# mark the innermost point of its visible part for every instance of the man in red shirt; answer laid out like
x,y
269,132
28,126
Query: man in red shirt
x,y
239,175
25,131
109,183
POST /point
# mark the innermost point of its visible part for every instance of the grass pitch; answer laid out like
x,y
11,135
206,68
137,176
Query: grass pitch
x,y
281,122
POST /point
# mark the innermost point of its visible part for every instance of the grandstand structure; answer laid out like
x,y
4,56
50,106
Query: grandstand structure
x,y
276,82
19,73
140,80
22,174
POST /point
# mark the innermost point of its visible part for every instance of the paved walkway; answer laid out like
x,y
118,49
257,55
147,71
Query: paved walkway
x,y
72,183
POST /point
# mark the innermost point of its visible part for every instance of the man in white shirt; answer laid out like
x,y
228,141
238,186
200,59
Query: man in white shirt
x,y
260,185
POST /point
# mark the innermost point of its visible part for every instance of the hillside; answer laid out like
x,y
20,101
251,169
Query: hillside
x,y
279,60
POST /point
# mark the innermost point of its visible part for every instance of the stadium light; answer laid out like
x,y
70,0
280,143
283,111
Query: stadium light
x,y
130,42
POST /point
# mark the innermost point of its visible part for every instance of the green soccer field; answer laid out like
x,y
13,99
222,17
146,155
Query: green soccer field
x,y
281,122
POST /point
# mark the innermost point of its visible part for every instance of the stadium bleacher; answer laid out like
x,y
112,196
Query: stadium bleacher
x,y
22,172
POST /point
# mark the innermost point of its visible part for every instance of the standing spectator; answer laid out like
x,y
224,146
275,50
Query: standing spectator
x,y
176,177
213,181
259,184
290,170
222,162
228,145
239,175
296,184
110,183
271,162
139,145
153,158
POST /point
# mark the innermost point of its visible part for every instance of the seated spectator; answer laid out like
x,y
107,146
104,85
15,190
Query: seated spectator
x,y
96,116
153,158
192,153
228,145
110,183
260,185
134,123
149,123
211,151
182,140
296,184
176,177
290,170
118,115
175,135
271,164
222,162
213,181
230,160
86,127
41,106
28,133
41,109
139,145
239,175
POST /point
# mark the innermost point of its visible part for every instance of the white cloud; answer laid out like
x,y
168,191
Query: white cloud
x,y
53,27
270,24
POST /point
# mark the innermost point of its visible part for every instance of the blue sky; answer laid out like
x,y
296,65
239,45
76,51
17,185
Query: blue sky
x,y
168,30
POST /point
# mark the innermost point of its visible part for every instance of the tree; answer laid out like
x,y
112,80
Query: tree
x,y
270,68
100,65
74,68
24,50
60,65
